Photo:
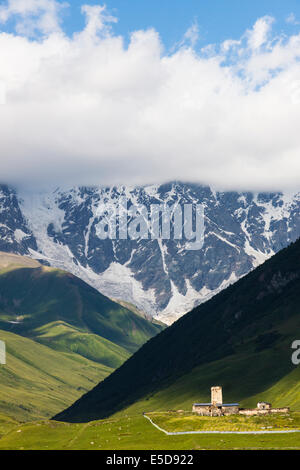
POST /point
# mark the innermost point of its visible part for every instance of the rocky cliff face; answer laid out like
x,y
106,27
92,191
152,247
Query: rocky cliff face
x,y
15,235
161,277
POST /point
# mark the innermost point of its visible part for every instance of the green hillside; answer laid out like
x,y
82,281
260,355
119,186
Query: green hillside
x,y
37,382
63,325
56,308
33,297
240,339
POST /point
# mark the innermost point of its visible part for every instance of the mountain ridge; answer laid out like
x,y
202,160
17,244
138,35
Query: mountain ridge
x,y
161,278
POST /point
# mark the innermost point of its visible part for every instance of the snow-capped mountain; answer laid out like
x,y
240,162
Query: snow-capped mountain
x,y
161,277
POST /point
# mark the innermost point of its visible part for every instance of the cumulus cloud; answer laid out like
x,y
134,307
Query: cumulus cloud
x,y
97,21
89,109
258,35
33,16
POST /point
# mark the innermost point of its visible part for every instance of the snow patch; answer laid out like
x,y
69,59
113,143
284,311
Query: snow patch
x,y
20,235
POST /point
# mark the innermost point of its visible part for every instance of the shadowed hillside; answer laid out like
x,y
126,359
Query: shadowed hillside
x,y
241,339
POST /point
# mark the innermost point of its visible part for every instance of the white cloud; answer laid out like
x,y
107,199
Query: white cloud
x,y
291,19
97,20
2,93
33,16
230,44
88,109
258,35
192,35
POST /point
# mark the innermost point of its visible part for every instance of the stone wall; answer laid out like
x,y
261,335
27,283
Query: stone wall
x,y
202,410
258,412
280,410
230,410
209,410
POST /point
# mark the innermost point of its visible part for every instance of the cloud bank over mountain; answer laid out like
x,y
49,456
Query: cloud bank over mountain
x,y
92,109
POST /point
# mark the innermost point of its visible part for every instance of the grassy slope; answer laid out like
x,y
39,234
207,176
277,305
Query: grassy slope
x,y
38,296
239,339
57,309
12,261
7,424
129,433
37,381
63,337
135,310
58,331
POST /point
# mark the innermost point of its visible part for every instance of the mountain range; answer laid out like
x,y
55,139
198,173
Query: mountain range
x,y
163,279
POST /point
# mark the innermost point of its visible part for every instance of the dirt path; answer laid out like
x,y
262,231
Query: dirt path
x,y
82,429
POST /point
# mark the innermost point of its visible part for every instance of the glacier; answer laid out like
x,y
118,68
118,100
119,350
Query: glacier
x,y
160,277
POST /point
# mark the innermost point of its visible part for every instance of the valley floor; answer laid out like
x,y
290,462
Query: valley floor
x,y
137,433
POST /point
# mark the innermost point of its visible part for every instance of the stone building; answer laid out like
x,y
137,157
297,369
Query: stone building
x,y
2,353
264,405
216,395
263,410
217,408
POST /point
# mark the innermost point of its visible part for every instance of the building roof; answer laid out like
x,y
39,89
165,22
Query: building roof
x,y
217,404
202,404
230,404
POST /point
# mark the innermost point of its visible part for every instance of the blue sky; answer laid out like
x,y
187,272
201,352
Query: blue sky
x,y
217,19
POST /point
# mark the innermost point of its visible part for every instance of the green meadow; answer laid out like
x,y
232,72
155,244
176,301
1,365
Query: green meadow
x,y
129,433
38,381
186,422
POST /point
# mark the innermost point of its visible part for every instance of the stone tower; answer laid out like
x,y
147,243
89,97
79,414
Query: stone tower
x,y
2,353
216,396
